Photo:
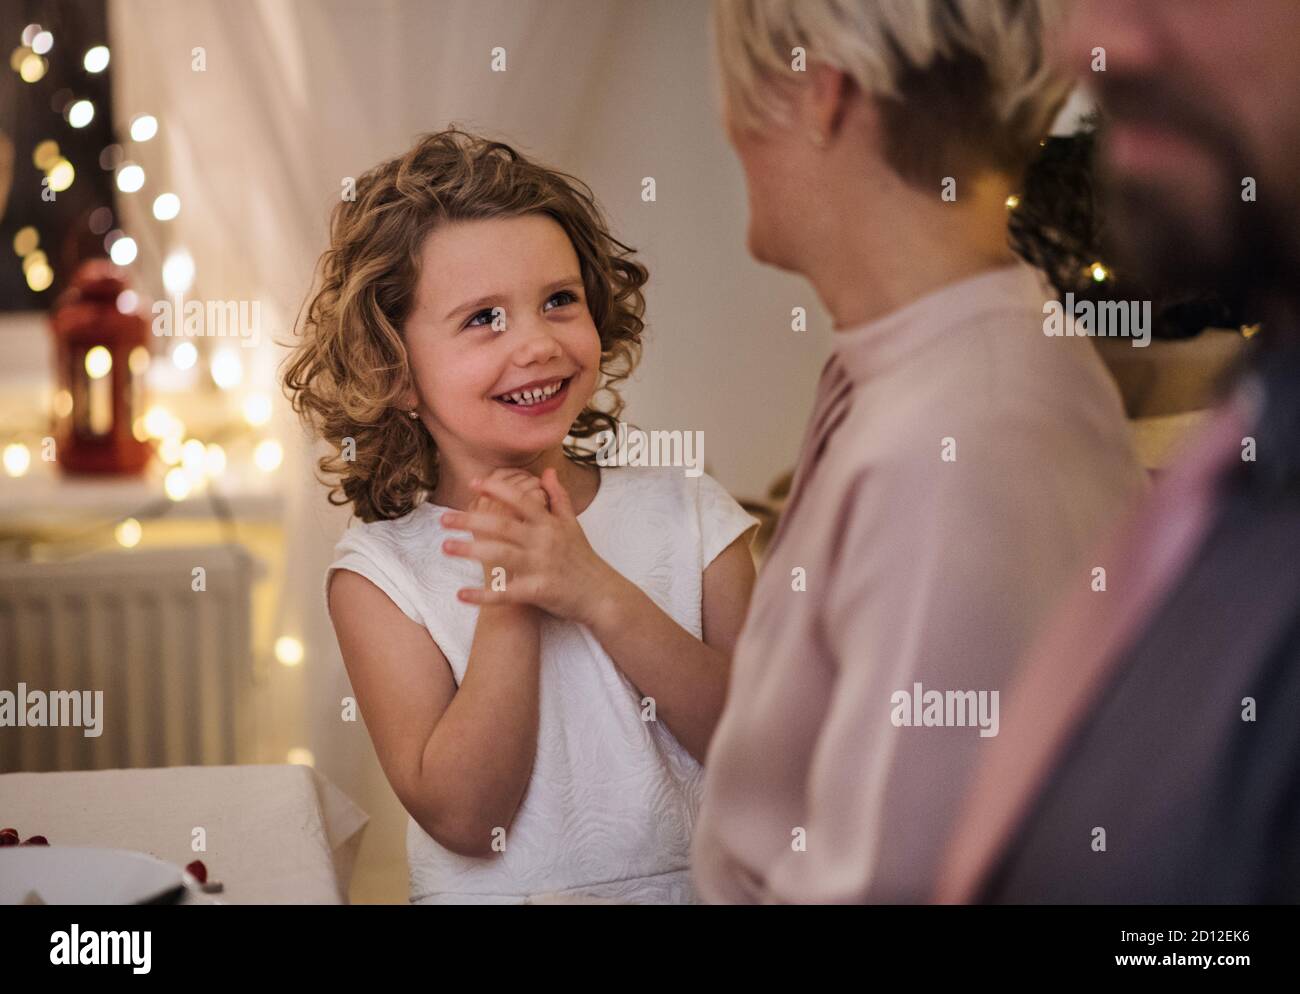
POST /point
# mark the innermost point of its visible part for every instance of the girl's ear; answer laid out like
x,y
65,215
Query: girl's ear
x,y
409,399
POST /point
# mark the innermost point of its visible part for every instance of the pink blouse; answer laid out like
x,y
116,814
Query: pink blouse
x,y
958,466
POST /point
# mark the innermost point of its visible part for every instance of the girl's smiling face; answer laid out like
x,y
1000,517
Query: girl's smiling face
x,y
501,392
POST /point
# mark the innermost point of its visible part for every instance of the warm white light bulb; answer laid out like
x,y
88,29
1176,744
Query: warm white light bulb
x,y
143,127
128,533
99,362
227,369
194,455
257,409
177,484
214,462
17,459
288,650
158,420
185,355
130,177
166,206
81,113
268,455
96,59
178,272
61,175
124,251
298,756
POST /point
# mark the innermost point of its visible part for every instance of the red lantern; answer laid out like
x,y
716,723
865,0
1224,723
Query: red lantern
x,y
101,358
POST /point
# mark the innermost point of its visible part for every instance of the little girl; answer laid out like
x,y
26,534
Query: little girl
x,y
539,645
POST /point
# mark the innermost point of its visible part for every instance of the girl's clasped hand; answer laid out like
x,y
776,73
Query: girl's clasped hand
x,y
528,528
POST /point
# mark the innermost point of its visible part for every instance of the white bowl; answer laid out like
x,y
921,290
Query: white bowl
x,y
83,875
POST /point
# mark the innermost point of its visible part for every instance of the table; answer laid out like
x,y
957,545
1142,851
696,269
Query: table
x,y
275,834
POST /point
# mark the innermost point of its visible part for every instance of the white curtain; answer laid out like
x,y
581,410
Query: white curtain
x,y
298,94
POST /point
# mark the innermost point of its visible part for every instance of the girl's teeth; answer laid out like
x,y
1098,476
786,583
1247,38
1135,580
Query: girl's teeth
x,y
534,396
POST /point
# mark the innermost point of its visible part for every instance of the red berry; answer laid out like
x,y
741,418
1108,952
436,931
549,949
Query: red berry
x,y
37,840
198,871
8,837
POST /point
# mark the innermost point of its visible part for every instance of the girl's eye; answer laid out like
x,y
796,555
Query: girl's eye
x,y
569,298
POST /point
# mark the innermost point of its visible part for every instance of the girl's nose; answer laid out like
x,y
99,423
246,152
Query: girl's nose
x,y
535,344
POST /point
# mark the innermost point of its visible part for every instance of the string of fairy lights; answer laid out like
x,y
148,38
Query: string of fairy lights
x,y
191,464
1097,270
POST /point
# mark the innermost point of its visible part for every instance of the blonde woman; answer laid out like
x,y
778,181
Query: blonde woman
x,y
958,462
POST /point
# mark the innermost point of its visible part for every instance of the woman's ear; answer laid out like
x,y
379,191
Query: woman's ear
x,y
826,99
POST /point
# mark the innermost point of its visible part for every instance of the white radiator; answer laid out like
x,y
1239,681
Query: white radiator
x,y
174,665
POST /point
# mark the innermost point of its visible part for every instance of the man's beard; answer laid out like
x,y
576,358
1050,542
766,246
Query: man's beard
x,y
1235,248
1170,249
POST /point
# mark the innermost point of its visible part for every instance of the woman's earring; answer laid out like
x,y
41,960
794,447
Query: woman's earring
x,y
412,414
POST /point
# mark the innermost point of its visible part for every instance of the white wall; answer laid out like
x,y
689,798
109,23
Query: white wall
x,y
720,355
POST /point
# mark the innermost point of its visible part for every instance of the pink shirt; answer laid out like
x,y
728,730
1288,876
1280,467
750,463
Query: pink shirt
x,y
958,465
1082,650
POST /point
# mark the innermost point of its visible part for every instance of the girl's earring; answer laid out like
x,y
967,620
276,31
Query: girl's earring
x,y
413,414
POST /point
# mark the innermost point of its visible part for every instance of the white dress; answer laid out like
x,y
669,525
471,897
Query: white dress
x,y
610,807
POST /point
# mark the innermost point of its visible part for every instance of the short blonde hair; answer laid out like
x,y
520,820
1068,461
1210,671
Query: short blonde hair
x,y
961,83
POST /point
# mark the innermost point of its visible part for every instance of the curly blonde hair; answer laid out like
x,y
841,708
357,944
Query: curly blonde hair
x,y
350,367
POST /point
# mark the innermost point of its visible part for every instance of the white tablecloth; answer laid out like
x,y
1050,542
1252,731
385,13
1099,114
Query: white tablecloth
x,y
275,834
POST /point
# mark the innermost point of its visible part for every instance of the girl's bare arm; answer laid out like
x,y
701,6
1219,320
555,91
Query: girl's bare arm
x,y
686,676
459,759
